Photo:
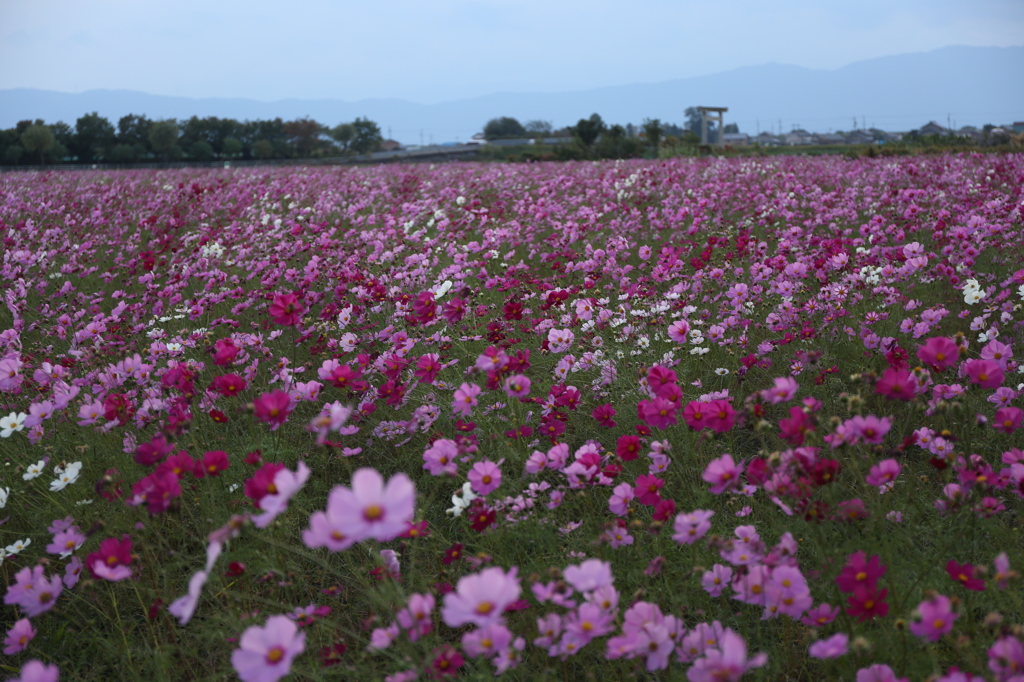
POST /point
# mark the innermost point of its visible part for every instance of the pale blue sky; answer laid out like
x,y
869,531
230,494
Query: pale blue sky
x,y
435,50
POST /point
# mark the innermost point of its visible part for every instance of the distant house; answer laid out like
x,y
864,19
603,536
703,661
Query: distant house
x,y
766,139
933,128
511,142
971,132
737,139
557,140
829,138
390,146
860,137
1017,127
799,136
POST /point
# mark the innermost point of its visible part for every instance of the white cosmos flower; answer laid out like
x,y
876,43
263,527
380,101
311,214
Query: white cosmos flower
x,y
4,492
442,289
462,501
18,546
34,470
721,371
15,421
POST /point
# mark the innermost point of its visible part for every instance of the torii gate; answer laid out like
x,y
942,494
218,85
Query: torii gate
x,y
718,111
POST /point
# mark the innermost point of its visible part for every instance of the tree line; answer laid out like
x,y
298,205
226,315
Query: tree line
x,y
138,139
593,138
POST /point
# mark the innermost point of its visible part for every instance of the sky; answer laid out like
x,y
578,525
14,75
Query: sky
x,y
431,51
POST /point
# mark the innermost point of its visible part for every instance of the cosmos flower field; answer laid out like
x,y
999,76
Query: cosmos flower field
x,y
689,419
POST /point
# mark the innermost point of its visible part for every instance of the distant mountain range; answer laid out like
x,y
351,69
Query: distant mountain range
x,y
965,85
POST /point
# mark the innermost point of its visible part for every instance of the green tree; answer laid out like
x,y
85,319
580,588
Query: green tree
x,y
653,131
38,139
124,153
133,131
232,147
367,136
200,150
732,128
94,137
13,154
163,138
538,128
263,149
505,127
304,135
588,129
343,134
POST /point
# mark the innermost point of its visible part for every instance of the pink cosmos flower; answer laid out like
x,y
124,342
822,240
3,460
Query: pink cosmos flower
x,y
1006,658
785,389
517,386
286,484
465,399
265,653
696,414
415,617
878,673
485,477
833,647
985,373
884,472
722,474
692,527
440,458
898,384
481,598
273,408
716,580
18,637
721,416
678,331
935,618
37,671
1008,419
286,309
998,352
622,495
658,413
820,615
939,352
112,560
33,592
647,490
368,510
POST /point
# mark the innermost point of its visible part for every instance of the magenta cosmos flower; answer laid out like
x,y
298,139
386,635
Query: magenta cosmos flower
x,y
265,653
481,598
273,408
286,309
368,510
939,352
286,484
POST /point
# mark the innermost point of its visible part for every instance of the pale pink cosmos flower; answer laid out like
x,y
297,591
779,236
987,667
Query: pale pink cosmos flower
x,y
833,647
622,496
723,474
785,389
485,477
439,458
371,510
184,607
265,653
481,598
726,663
415,617
37,671
692,527
590,575
517,386
287,483
465,399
